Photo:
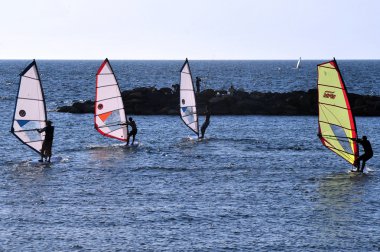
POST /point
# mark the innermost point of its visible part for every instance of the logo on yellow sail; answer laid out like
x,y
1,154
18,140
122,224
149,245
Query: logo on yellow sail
x,y
329,94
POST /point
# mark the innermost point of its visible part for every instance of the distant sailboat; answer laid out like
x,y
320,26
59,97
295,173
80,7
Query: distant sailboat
x,y
109,117
187,102
298,63
30,110
336,122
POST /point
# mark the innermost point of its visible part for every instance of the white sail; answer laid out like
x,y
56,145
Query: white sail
x,y
188,107
109,115
298,63
30,109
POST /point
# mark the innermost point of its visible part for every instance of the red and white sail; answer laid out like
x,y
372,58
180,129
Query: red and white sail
x,y
109,115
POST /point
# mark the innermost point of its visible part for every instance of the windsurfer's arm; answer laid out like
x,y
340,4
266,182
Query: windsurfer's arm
x,y
41,130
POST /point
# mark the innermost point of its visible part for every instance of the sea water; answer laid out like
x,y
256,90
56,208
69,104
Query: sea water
x,y
259,183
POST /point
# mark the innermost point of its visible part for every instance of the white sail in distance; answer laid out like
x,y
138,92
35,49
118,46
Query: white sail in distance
x,y
109,117
30,110
187,101
298,63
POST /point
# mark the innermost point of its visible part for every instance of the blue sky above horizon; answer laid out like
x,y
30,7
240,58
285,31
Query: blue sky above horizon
x,y
197,29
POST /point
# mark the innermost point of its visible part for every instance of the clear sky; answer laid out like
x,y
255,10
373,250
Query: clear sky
x,y
197,29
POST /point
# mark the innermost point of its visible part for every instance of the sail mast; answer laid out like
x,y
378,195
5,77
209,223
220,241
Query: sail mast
x,y
109,115
187,102
30,109
336,122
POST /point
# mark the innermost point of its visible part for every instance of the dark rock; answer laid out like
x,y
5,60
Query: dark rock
x,y
165,91
165,101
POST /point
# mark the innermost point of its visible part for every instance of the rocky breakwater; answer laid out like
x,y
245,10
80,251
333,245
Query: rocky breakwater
x,y
165,101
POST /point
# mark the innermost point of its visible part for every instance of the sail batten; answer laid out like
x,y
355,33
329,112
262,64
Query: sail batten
x,y
30,109
188,107
109,116
336,122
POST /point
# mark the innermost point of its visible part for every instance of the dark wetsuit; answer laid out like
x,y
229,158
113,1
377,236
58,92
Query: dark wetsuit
x,y
368,153
133,132
205,125
198,84
48,142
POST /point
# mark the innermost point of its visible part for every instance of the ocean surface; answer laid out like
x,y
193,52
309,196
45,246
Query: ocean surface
x,y
256,183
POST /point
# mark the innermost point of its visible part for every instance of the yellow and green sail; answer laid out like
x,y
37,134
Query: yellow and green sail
x,y
336,123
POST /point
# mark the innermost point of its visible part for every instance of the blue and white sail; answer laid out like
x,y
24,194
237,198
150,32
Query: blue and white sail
x,y
187,102
30,110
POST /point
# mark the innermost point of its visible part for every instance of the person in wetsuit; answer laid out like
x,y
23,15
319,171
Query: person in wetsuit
x,y
48,141
368,153
133,132
205,125
198,84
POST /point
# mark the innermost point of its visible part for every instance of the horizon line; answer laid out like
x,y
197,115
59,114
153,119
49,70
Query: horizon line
x,y
115,59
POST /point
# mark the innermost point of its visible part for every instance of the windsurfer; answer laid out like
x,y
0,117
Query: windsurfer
x,y
198,84
133,132
48,141
368,153
205,125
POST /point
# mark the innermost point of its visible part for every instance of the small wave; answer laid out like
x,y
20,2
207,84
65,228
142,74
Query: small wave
x,y
104,147
6,98
162,168
291,148
30,165
190,139
114,146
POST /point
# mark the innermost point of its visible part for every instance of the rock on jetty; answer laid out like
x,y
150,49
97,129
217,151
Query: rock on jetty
x,y
165,101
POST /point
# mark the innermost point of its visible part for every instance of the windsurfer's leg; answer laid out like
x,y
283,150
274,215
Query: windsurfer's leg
x,y
365,158
363,165
358,162
133,139
47,153
203,130
42,153
128,138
